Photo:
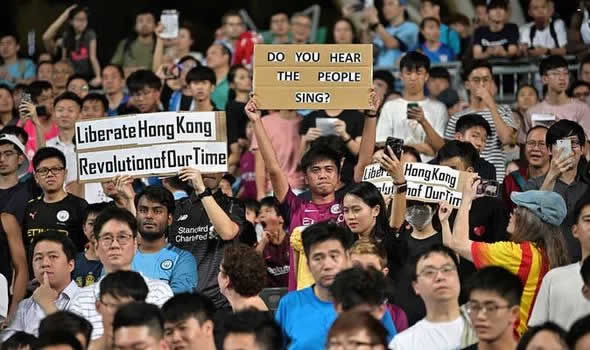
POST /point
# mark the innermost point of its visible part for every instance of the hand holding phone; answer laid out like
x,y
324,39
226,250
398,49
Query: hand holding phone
x,y
410,107
488,188
396,146
565,146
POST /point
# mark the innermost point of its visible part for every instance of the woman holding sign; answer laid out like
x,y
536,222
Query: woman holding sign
x,y
536,241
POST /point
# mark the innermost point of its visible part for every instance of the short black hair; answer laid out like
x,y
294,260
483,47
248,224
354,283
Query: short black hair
x,y
48,153
176,183
183,306
498,4
68,247
271,202
124,284
57,338
37,87
357,286
267,333
411,150
316,154
17,131
440,73
497,280
532,331
582,203
93,208
231,75
201,73
325,231
229,178
140,314
583,61
552,62
68,95
585,271
413,61
564,128
252,204
429,19
12,34
464,150
66,321
117,67
471,120
433,249
475,64
579,329
385,76
19,340
95,96
157,194
76,76
142,79
117,214
576,85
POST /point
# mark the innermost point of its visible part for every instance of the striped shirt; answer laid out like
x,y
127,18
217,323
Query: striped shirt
x,y
493,150
84,304
524,260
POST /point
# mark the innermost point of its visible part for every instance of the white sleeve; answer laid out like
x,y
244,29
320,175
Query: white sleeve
x,y
385,123
540,312
585,30
561,32
441,120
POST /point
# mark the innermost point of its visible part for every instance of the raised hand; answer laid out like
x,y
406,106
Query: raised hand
x,y
389,162
312,134
340,128
124,187
444,211
374,102
44,295
252,110
194,177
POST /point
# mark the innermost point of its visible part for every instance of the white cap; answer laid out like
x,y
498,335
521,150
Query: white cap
x,y
19,145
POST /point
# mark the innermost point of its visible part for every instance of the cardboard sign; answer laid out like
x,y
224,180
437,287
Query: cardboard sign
x,y
426,182
153,144
313,76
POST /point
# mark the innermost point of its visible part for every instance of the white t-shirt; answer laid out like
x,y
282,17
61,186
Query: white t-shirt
x,y
560,298
543,38
429,335
69,151
394,121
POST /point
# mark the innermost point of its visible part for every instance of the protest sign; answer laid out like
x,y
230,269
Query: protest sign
x,y
426,182
152,144
313,76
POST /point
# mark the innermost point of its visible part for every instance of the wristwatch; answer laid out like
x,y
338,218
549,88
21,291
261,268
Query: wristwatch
x,y
401,188
205,193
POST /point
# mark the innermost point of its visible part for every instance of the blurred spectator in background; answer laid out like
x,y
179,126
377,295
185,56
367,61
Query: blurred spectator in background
x,y
580,90
344,32
301,29
279,29
14,70
219,60
430,43
544,35
78,85
113,82
498,38
439,80
447,36
62,70
45,70
136,51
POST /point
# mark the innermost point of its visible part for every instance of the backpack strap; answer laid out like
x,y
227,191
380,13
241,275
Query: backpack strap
x,y
532,33
553,33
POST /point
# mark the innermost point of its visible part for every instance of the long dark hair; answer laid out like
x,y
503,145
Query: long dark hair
x,y
371,196
355,36
9,90
70,42
231,75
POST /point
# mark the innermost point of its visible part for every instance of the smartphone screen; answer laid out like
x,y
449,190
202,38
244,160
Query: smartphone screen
x,y
488,188
410,106
565,145
396,146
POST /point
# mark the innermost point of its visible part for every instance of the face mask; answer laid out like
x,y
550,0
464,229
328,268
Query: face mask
x,y
419,216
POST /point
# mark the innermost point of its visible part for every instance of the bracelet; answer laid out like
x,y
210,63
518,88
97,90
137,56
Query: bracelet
x,y
205,193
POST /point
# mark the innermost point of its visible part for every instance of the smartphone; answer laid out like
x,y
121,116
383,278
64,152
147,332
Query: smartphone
x,y
26,97
41,111
171,72
488,188
410,106
565,145
396,146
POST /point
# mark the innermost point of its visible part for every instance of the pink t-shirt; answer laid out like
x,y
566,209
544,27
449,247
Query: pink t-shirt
x,y
248,176
31,146
574,110
285,139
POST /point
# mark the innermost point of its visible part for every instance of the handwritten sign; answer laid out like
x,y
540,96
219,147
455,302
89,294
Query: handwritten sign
x,y
313,76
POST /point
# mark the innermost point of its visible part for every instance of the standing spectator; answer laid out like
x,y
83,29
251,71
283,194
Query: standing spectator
x,y
279,29
420,127
462,25
156,258
580,90
201,84
544,35
439,79
233,26
88,268
144,87
45,70
240,81
8,115
301,28
177,48
219,60
53,263
136,51
113,82
498,38
14,70
397,37
274,245
537,157
431,45
139,325
479,82
176,94
447,36
188,322
344,32
62,70
94,106
78,42
526,97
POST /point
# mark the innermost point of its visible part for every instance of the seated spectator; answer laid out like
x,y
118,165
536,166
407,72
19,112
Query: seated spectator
x,y
353,328
176,94
113,83
156,258
526,97
544,35
58,340
78,85
580,90
531,251
555,74
62,70
448,36
344,32
537,157
69,322
274,245
566,175
279,29
306,315
462,25
53,262
44,70
481,13
20,341
438,81
139,325
301,28
14,70
242,276
394,38
498,38
473,128
219,58
144,87
188,322
450,98
435,279
548,335
559,299
88,268
135,52
94,106
431,45
249,329
201,84
493,307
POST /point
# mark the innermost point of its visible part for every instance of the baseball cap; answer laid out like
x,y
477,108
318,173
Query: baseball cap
x,y
547,205
8,138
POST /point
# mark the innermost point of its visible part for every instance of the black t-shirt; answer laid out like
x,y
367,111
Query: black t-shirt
x,y
354,127
166,94
487,220
235,120
64,216
509,35
13,201
482,167
192,230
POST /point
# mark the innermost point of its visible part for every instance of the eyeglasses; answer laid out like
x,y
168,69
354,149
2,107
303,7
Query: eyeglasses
x,y
7,154
350,344
474,308
533,144
46,171
107,240
431,272
558,73
479,80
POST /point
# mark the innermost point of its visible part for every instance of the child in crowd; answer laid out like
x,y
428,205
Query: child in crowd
x,y
431,45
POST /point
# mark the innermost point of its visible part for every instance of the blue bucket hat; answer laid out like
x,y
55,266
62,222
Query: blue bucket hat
x,y
548,206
